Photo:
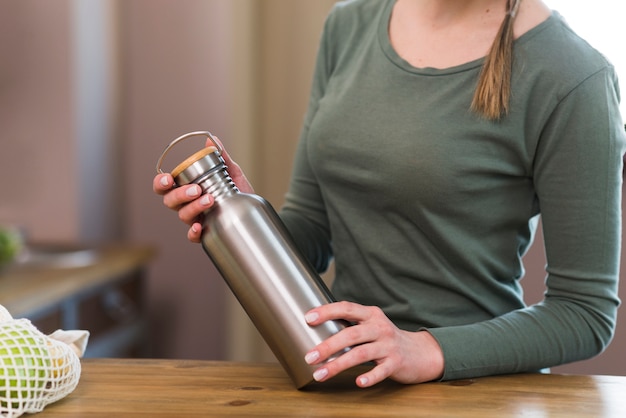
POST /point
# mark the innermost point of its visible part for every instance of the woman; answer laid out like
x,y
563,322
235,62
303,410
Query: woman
x,y
437,133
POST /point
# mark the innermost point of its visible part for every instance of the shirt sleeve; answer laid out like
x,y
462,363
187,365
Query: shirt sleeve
x,y
578,179
304,212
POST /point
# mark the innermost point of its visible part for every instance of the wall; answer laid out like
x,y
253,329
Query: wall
x,y
176,78
37,154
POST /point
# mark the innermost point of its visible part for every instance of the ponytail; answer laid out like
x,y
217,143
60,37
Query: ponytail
x,y
492,94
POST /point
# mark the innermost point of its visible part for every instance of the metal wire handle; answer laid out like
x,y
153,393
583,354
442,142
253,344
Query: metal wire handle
x,y
182,137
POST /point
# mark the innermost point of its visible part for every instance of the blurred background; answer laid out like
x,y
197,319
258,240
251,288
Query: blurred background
x,y
91,92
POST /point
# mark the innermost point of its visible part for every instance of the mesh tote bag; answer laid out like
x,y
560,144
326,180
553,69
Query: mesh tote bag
x,y
36,369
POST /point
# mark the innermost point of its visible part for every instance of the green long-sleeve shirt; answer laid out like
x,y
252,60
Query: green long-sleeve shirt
x,y
428,208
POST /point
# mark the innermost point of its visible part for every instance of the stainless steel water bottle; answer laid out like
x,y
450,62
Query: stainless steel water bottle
x,y
254,253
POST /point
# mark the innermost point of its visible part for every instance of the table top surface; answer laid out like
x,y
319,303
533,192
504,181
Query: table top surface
x,y
189,388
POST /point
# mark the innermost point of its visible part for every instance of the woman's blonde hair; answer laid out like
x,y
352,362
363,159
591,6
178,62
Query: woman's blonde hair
x,y
491,98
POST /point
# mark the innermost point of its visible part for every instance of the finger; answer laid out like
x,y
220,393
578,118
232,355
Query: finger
x,y
195,232
374,376
176,198
162,183
354,357
347,337
348,311
190,212
370,326
351,337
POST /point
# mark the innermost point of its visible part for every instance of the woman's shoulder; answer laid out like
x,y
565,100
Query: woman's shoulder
x,y
555,47
350,25
358,5
357,11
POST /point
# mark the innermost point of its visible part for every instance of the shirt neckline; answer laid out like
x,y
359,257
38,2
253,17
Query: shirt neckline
x,y
392,55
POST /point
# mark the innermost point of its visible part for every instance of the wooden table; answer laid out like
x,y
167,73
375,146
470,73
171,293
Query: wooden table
x,y
183,388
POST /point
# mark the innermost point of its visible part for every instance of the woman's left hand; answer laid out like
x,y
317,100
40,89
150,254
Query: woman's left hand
x,y
403,356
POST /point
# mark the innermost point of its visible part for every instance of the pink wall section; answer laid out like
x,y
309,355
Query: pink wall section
x,y
175,81
37,164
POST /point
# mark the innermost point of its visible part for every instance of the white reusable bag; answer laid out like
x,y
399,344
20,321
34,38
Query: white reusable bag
x,y
35,369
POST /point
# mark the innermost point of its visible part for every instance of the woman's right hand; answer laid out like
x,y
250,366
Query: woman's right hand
x,y
188,201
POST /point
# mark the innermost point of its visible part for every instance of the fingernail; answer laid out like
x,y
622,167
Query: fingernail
x,y
363,381
193,191
320,374
165,181
312,357
194,228
311,317
205,200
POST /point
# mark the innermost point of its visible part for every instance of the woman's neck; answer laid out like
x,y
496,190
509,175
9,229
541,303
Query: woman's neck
x,y
446,33
441,13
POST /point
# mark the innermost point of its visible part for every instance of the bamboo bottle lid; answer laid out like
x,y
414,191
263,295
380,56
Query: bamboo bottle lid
x,y
192,159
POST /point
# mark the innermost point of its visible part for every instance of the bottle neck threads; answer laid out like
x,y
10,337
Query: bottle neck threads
x,y
218,183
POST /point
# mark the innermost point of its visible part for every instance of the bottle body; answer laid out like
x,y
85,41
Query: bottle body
x,y
253,251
